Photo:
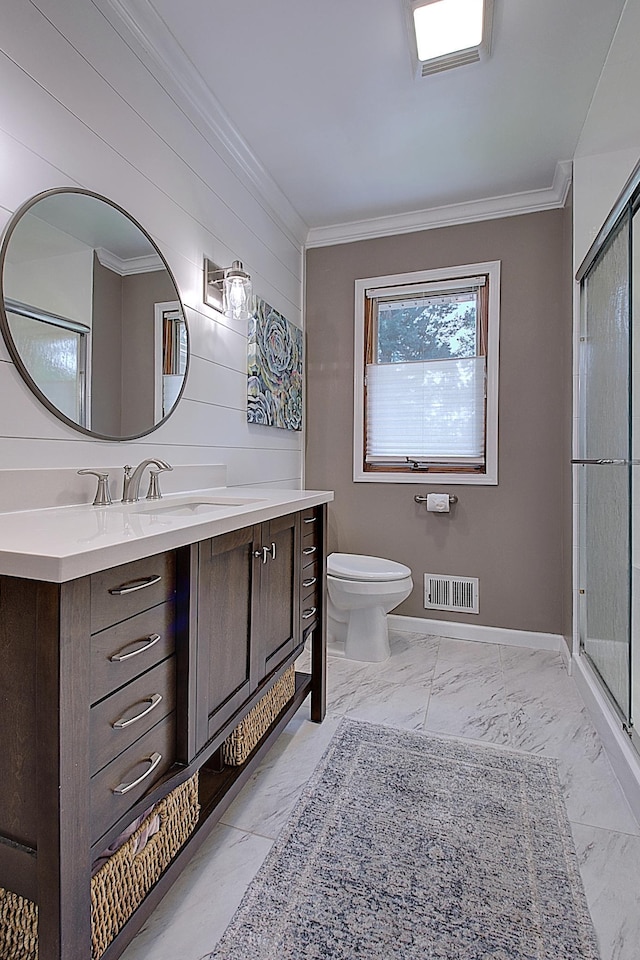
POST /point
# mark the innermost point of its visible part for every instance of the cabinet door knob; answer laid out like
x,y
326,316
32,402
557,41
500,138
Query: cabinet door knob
x,y
266,552
154,760
309,550
309,613
310,582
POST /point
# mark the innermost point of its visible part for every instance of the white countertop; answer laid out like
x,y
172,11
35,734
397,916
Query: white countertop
x,y
61,543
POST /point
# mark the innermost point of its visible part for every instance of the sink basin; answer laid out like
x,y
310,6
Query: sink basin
x,y
197,506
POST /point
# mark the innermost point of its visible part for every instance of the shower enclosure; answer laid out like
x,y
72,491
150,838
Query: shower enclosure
x,y
608,459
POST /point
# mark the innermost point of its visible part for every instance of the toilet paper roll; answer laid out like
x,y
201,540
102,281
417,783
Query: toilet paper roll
x,y
438,502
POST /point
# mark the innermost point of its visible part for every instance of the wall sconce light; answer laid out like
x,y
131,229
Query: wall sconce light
x,y
228,289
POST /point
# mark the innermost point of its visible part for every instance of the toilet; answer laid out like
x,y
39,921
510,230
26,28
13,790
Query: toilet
x,y
362,591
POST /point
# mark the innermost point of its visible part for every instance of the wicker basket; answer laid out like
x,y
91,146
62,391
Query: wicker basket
x,y
18,927
119,886
239,744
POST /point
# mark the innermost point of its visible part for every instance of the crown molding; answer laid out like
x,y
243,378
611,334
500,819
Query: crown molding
x,y
141,27
133,265
492,208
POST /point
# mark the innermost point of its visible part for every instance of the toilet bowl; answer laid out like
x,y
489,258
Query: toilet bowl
x,y
362,590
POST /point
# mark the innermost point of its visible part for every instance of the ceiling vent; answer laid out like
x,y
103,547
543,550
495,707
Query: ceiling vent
x,y
447,59
460,59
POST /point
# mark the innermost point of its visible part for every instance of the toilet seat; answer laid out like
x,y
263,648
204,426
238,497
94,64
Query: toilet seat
x,y
353,566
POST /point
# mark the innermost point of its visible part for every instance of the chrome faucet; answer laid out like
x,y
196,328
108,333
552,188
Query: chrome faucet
x,y
132,477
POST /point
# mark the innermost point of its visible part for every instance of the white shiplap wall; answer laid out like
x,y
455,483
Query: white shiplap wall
x,y
78,106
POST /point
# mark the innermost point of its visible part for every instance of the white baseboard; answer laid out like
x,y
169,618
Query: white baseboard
x,y
622,755
479,633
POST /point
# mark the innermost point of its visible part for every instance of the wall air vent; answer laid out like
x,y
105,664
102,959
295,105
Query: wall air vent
x,y
442,592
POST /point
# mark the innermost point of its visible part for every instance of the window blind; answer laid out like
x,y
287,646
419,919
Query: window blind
x,y
425,289
430,409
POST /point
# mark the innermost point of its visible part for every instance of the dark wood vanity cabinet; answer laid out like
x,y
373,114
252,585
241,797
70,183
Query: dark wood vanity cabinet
x,y
223,569
118,686
248,615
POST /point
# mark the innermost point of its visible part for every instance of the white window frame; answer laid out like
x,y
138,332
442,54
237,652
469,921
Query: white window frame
x,y
490,476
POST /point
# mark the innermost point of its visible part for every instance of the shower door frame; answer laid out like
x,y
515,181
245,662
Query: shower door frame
x,y
627,206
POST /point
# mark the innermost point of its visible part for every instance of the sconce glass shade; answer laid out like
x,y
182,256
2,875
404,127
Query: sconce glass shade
x,y
228,290
237,299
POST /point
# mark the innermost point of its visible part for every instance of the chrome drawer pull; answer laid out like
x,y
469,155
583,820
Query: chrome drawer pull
x,y
153,703
309,613
136,585
154,760
151,640
310,519
310,582
309,550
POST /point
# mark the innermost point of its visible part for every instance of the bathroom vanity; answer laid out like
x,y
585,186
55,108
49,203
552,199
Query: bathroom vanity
x,y
133,640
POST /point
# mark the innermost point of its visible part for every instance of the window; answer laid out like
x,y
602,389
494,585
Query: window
x,y
426,376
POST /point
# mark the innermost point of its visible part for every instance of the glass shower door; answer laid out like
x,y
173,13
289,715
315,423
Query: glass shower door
x,y
635,477
605,469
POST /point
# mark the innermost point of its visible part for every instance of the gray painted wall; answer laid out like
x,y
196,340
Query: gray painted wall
x,y
140,292
106,373
512,536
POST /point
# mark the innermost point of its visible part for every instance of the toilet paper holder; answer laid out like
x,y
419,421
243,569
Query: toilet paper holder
x,y
423,499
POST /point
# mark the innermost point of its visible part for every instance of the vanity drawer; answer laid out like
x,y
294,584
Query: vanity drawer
x,y
309,551
132,774
121,653
123,591
309,614
309,596
309,580
122,718
310,585
310,590
310,520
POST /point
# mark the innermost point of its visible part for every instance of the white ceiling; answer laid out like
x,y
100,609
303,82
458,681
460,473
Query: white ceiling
x,y
325,96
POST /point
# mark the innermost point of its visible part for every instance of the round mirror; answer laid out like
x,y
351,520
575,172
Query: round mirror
x,y
91,314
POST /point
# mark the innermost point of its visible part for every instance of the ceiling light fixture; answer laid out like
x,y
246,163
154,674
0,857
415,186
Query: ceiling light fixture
x,y
450,33
228,289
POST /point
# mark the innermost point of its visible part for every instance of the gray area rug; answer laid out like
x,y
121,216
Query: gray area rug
x,y
411,847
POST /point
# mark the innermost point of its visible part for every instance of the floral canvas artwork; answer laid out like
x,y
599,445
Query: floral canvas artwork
x,y
275,370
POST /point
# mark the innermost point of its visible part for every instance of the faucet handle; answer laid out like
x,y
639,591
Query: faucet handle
x,y
103,495
153,493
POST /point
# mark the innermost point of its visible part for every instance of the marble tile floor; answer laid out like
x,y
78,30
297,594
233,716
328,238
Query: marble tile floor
x,y
514,697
